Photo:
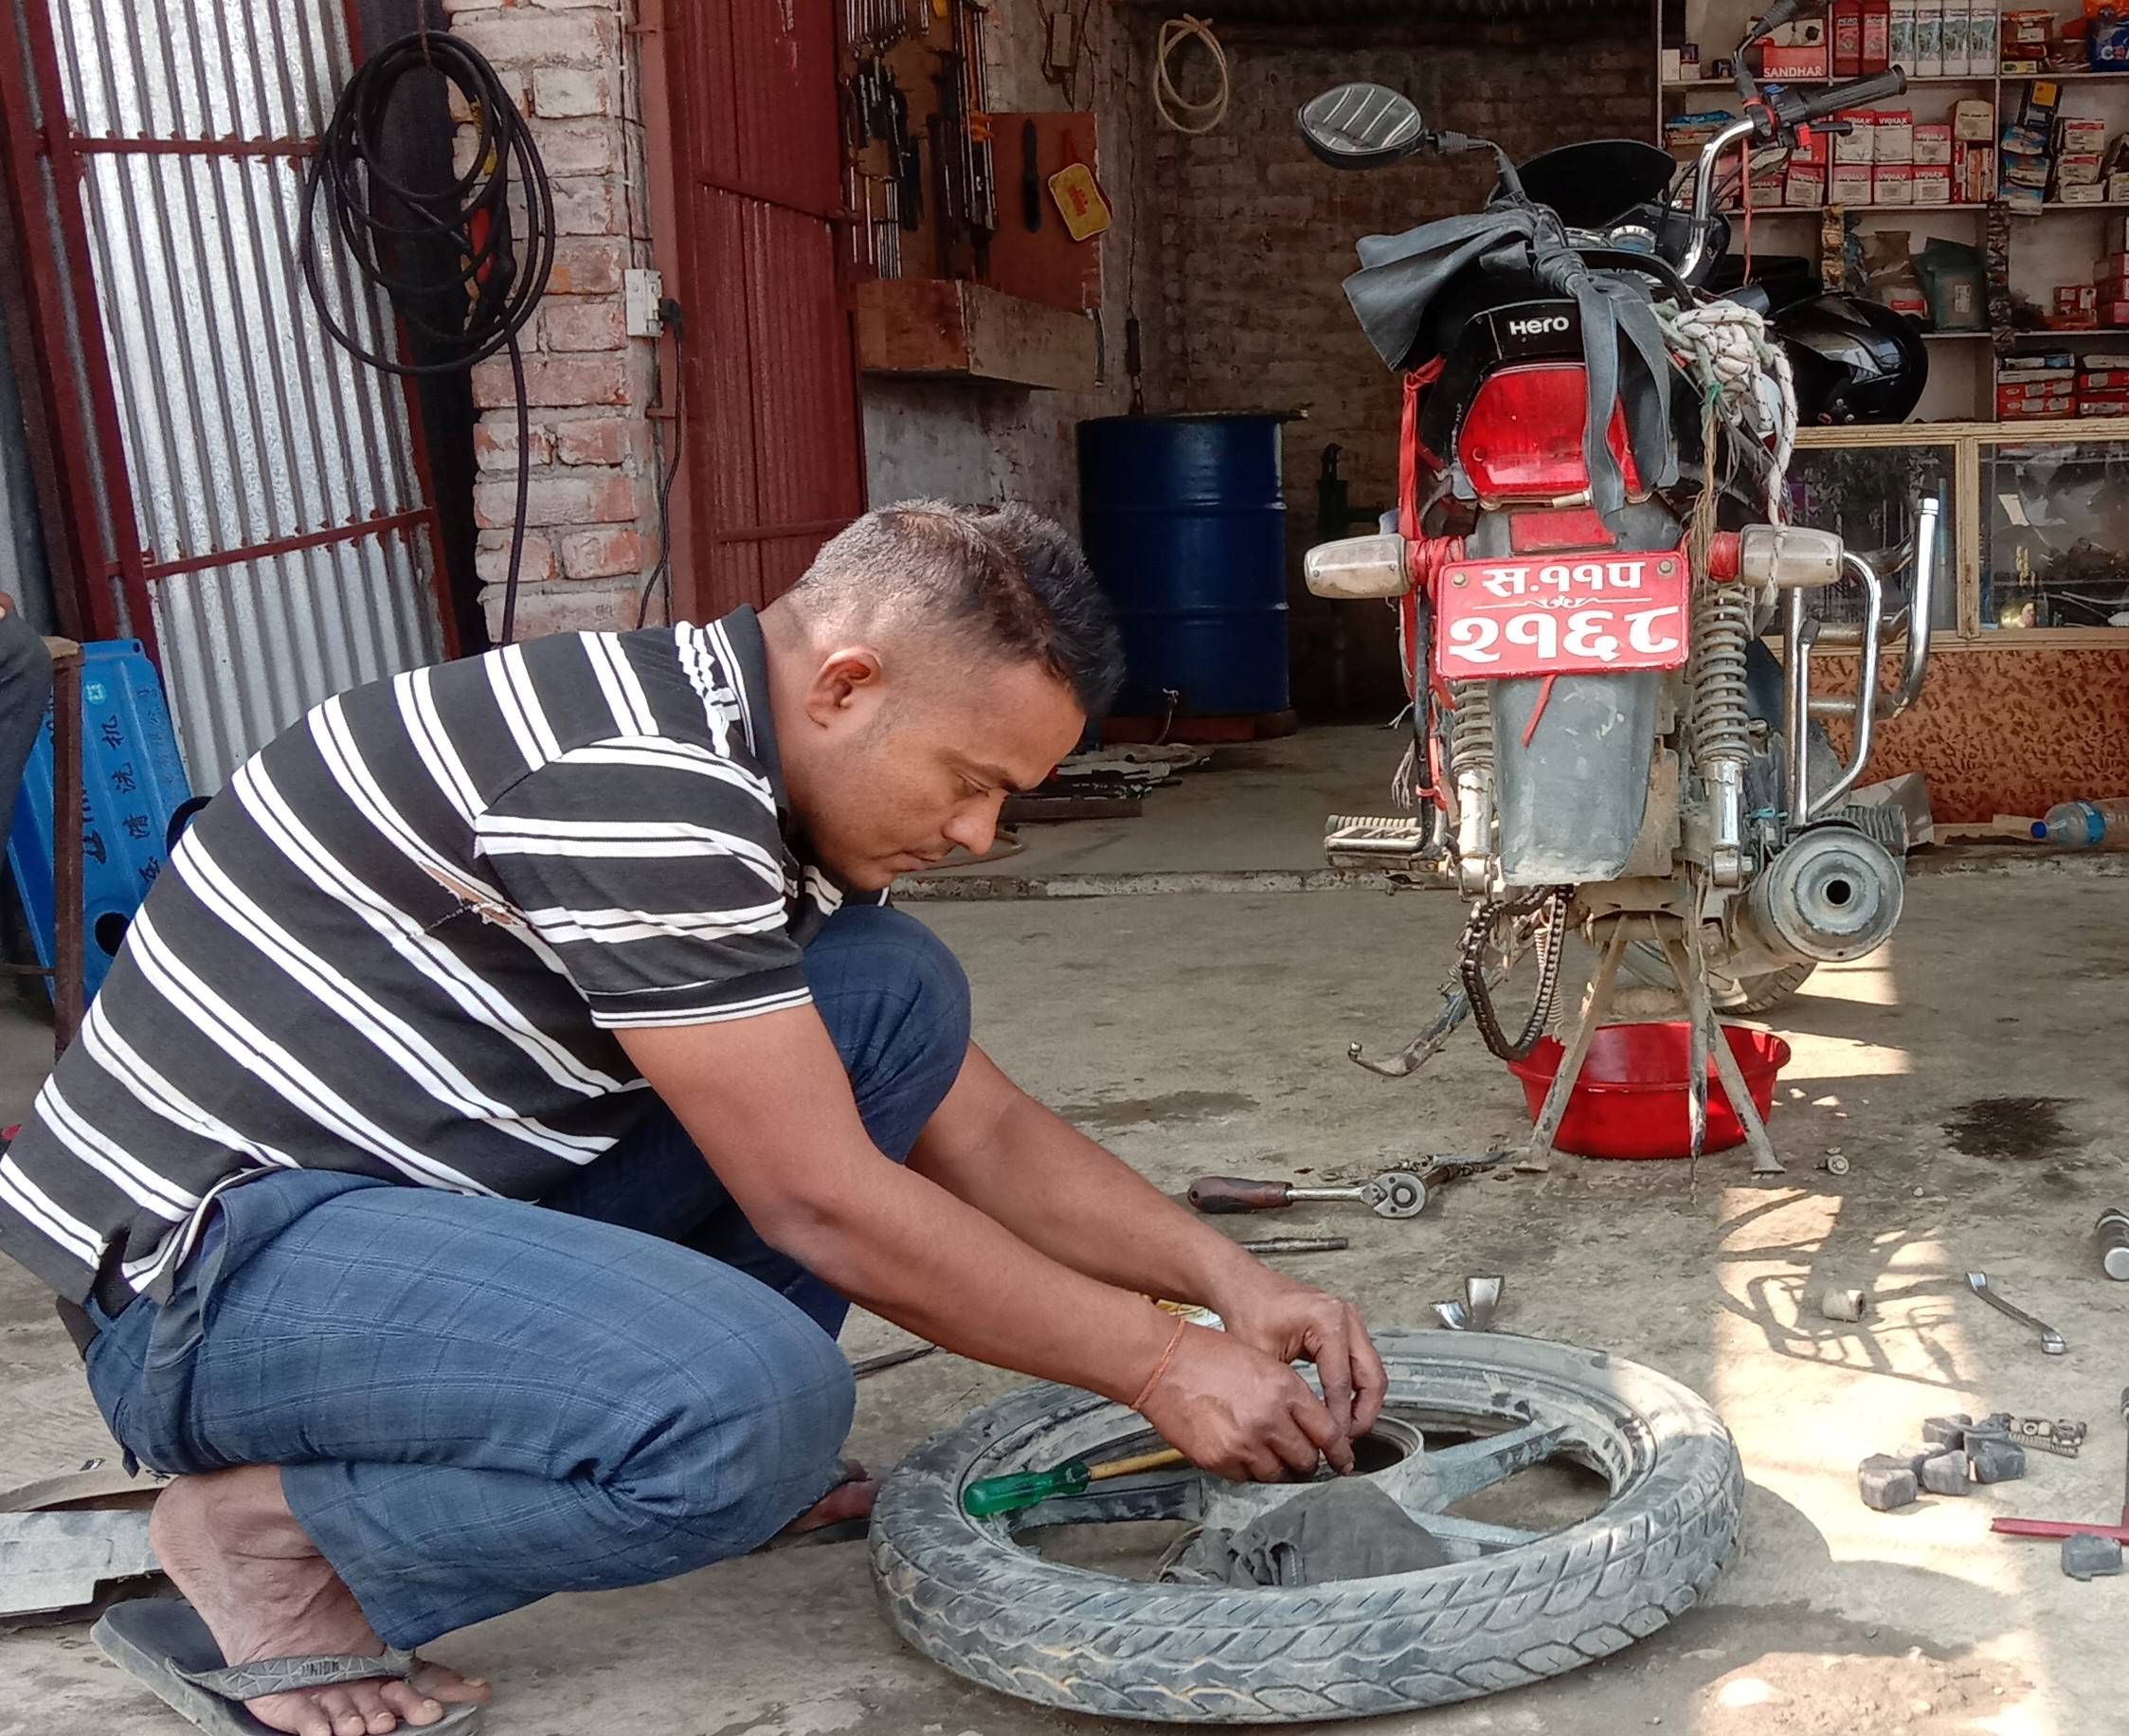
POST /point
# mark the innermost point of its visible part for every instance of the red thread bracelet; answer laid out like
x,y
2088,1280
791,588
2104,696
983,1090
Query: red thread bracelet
x,y
1161,1367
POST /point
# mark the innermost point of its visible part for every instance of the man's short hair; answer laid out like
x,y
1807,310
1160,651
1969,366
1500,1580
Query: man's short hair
x,y
1013,582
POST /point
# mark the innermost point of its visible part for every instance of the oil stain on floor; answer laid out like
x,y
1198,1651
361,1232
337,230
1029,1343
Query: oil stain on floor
x,y
2022,1130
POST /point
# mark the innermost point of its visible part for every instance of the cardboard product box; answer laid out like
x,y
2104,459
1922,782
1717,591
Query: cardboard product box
x,y
2104,404
1973,118
2024,35
2052,412
2025,201
2113,264
1980,39
1877,36
1777,63
2118,190
1851,184
1933,143
1893,184
2036,109
1813,146
1670,67
2113,382
1933,184
1845,17
1767,187
2092,193
2021,170
2078,133
2114,312
1858,145
1804,187
2076,304
1973,174
1899,33
1929,38
2080,170
1892,135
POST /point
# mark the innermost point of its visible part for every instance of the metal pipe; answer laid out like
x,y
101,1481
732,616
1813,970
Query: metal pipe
x,y
1867,685
1920,614
1796,706
1704,193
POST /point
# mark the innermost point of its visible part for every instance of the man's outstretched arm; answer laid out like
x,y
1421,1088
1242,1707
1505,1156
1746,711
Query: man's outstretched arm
x,y
1014,1161
767,1101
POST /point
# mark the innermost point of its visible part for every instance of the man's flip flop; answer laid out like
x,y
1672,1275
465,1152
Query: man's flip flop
x,y
164,1643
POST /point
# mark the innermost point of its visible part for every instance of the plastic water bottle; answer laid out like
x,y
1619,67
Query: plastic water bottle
x,y
2086,825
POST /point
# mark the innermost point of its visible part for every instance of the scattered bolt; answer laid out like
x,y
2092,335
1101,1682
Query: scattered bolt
x,y
1837,1304
1833,1163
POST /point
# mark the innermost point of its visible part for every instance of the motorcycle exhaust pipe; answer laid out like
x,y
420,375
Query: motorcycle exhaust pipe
x,y
1832,896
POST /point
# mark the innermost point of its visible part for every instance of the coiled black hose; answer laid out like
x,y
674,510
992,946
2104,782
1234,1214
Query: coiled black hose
x,y
385,225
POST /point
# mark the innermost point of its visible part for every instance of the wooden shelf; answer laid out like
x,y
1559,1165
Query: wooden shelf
x,y
946,328
1817,210
1947,77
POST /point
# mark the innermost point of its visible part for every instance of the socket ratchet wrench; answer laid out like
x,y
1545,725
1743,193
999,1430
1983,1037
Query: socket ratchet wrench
x,y
1396,1193
2050,1340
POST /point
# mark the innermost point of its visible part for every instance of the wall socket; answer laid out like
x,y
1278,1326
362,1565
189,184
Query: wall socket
x,y
640,293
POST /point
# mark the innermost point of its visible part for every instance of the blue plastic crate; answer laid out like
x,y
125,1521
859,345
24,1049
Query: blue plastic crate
x,y
132,783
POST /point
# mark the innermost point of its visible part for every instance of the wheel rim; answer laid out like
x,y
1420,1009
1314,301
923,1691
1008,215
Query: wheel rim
x,y
971,1596
1512,1431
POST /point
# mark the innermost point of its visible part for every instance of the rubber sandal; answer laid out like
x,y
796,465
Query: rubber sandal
x,y
841,1531
163,1644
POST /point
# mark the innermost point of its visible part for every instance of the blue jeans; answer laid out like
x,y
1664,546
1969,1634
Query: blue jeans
x,y
476,1402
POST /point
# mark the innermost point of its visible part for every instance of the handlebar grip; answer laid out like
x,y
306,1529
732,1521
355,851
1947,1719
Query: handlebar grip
x,y
1853,96
1221,1194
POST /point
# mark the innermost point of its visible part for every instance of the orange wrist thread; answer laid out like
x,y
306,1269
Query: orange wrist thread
x,y
1161,1367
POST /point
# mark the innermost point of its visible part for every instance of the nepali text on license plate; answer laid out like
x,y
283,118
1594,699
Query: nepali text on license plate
x,y
1581,613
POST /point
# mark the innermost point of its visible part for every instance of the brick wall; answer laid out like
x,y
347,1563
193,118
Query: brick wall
x,y
591,522
1255,235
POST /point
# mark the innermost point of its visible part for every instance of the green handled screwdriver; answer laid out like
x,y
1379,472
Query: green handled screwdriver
x,y
1009,1494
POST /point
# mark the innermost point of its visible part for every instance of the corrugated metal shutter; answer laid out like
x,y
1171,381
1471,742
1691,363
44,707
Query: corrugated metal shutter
x,y
281,545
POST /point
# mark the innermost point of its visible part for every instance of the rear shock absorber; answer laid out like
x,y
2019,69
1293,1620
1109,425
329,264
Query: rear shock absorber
x,y
1723,720
1471,754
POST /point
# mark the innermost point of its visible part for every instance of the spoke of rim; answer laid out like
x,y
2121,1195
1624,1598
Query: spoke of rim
x,y
1466,1539
1454,1472
1179,1498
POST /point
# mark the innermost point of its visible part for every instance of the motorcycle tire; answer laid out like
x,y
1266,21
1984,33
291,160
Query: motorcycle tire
x,y
962,1591
1645,961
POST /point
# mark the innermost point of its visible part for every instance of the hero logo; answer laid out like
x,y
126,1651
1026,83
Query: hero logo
x,y
1538,326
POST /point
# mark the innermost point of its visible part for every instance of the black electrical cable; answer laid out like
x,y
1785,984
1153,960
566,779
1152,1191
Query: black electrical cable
x,y
670,317
384,225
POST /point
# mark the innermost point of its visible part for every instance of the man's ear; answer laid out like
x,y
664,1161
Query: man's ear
x,y
850,679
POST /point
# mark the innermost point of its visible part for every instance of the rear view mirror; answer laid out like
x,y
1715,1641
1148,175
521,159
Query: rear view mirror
x,y
1359,126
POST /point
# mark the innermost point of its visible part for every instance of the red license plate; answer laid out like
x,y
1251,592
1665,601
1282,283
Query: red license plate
x,y
1580,614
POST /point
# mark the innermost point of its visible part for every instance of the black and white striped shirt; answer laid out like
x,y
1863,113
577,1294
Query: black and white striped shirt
x,y
399,943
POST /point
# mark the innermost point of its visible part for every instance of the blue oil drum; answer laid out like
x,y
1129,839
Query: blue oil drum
x,y
1185,524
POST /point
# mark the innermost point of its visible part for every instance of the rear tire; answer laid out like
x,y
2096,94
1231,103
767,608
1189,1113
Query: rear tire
x,y
964,1593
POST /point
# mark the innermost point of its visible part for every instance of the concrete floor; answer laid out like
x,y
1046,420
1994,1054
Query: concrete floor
x,y
1974,1072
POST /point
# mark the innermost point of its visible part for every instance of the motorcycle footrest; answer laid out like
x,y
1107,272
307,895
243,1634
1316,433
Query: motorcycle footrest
x,y
1369,840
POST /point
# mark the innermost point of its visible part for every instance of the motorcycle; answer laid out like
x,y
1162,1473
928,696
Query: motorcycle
x,y
1588,549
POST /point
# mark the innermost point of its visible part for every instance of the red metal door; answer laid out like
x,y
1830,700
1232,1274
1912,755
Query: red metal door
x,y
776,462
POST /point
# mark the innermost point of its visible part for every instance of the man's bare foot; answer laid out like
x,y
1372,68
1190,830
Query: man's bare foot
x,y
263,1590
852,1499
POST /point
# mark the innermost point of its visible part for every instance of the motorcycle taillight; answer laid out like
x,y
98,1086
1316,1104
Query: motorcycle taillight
x,y
1521,438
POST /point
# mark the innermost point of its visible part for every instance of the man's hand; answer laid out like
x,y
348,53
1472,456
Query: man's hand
x,y
1240,1413
1292,1321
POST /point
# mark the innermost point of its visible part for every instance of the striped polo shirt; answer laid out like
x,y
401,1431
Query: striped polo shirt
x,y
399,943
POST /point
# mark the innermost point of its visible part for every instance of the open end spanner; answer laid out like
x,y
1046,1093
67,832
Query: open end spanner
x,y
2050,1340
1396,1193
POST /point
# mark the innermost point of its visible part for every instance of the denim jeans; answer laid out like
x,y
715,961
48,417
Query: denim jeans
x,y
476,1401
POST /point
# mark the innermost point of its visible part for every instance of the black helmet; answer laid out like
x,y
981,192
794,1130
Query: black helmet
x,y
1854,360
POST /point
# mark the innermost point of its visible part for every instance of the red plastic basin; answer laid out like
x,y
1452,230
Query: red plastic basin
x,y
1631,1100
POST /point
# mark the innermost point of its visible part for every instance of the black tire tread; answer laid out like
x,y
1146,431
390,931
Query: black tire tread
x,y
1195,1655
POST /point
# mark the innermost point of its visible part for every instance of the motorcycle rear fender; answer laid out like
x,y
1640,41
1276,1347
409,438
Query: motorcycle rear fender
x,y
1571,804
